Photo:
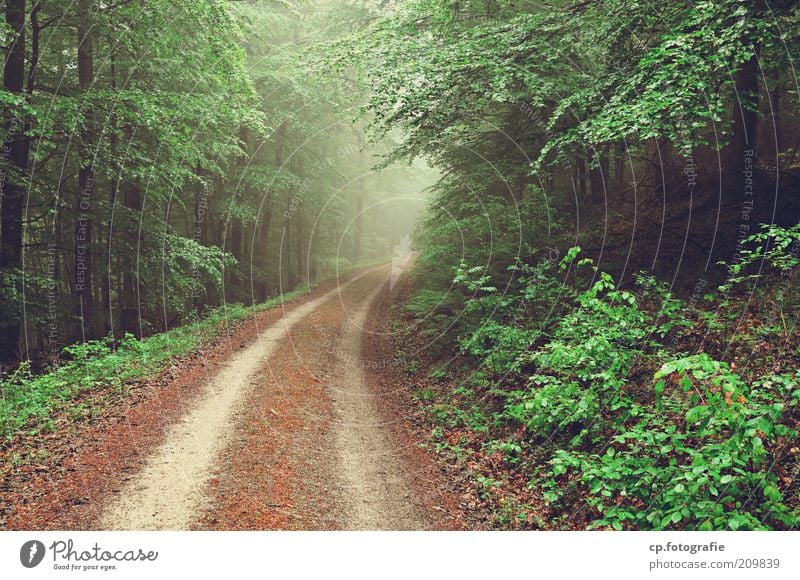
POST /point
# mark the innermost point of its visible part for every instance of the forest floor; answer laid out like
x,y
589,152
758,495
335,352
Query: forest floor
x,y
296,419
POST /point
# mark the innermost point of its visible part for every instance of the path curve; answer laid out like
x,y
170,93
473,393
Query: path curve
x,y
169,492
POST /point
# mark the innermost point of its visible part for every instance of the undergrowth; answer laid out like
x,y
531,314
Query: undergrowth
x,y
628,408
30,403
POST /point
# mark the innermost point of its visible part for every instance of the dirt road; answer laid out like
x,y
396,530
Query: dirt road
x,y
300,427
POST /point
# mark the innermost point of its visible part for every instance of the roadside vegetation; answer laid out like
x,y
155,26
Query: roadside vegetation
x,y
575,403
30,402
602,334
601,329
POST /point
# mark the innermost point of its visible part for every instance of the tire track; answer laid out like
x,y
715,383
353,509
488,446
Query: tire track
x,y
169,492
370,466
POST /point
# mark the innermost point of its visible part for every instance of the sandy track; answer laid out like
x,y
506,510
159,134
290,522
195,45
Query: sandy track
x,y
294,431
283,423
169,492
325,442
376,492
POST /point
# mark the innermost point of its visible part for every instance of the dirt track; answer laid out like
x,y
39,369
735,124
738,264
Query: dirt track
x,y
298,428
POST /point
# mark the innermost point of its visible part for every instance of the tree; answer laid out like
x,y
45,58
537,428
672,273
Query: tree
x,y
83,271
15,165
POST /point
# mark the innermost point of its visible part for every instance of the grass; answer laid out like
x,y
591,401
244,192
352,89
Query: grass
x,y
29,403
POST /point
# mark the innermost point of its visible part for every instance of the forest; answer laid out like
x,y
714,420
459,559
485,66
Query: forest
x,y
157,154
594,204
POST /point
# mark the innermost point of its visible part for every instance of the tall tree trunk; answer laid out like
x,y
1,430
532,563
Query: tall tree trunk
x,y
236,238
108,232
83,201
598,177
619,169
580,168
200,235
291,279
237,234
300,245
740,152
129,318
263,234
35,32
358,226
14,158
359,221
775,114
272,197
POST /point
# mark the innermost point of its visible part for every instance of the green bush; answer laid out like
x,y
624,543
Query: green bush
x,y
693,449
709,470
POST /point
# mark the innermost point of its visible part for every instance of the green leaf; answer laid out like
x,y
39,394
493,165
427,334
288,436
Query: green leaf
x,y
772,493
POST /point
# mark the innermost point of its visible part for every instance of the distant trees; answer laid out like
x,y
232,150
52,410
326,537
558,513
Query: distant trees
x,y
162,158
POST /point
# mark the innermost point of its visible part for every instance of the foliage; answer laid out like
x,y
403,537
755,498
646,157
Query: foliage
x,y
694,447
711,470
774,246
31,402
220,167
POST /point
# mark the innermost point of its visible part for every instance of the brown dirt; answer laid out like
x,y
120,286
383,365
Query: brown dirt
x,y
319,447
403,422
281,449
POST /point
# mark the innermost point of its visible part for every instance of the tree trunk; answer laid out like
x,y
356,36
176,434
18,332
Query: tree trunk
x,y
580,168
272,197
619,171
359,221
775,114
14,157
83,201
236,239
358,227
108,231
299,245
200,235
740,151
598,176
264,231
35,32
129,318
287,246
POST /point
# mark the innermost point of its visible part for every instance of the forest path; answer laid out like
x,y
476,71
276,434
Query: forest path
x,y
376,491
288,434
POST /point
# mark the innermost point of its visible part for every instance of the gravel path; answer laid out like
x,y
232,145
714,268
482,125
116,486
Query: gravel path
x,y
169,491
290,420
